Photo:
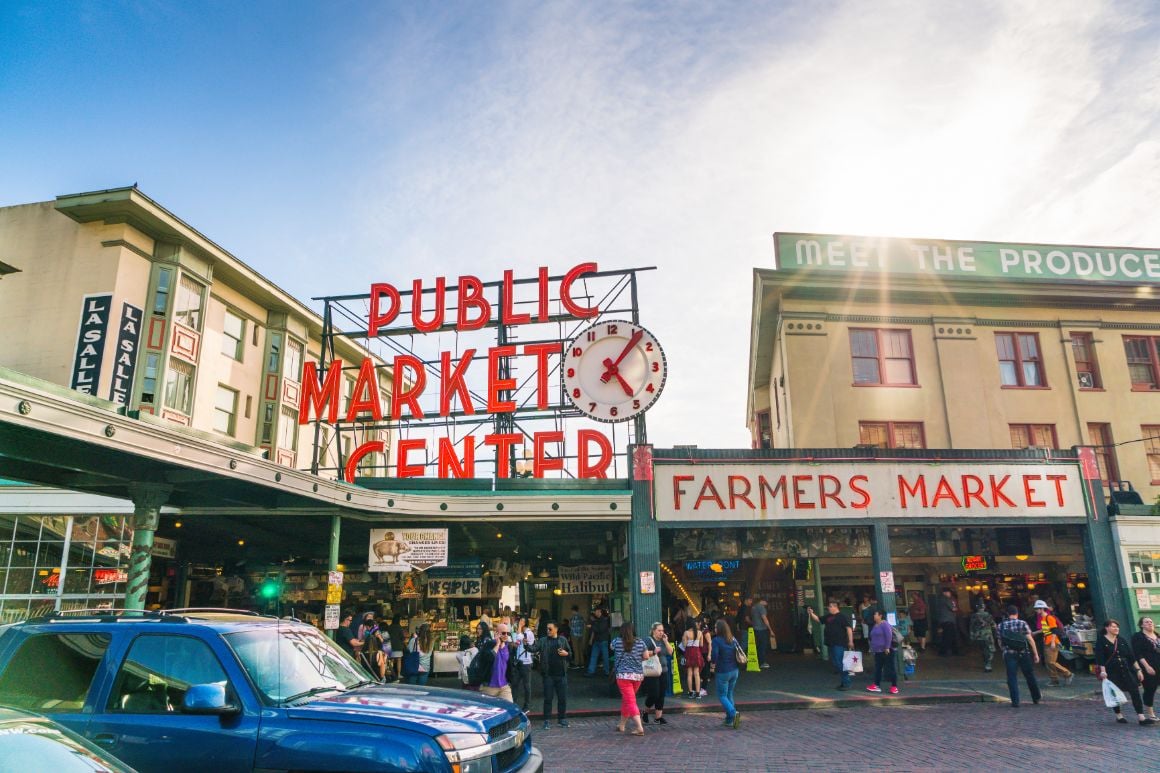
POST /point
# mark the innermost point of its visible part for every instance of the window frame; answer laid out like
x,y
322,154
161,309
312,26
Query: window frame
x,y
116,693
189,315
231,415
190,379
1020,362
882,359
1153,344
1031,428
1151,432
236,351
1104,449
891,437
1087,342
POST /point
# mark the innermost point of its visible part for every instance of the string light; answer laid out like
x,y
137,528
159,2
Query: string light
x,y
681,587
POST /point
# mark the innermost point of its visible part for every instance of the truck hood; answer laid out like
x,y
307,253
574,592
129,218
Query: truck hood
x,y
430,710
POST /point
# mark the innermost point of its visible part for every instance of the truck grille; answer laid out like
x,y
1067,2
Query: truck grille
x,y
499,731
510,759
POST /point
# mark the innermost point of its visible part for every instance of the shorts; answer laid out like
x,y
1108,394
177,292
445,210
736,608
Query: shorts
x,y
919,628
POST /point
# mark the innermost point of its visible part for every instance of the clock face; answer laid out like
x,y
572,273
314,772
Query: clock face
x,y
613,370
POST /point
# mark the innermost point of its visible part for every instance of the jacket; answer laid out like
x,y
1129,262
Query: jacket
x,y
486,658
552,663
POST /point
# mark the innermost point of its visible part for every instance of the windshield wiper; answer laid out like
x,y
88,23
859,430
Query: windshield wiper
x,y
363,683
313,691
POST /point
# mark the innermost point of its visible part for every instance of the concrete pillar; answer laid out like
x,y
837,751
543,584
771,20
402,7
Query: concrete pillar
x,y
644,543
147,501
880,553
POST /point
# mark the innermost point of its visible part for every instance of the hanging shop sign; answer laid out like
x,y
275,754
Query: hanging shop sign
x,y
402,550
975,563
461,587
796,490
611,371
334,587
829,253
590,578
125,362
86,370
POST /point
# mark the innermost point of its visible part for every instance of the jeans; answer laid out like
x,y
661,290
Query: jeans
x,y
522,685
419,678
725,684
599,652
761,638
557,686
1015,662
837,652
884,666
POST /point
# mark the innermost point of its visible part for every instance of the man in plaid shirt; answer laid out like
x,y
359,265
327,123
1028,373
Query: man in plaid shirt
x,y
1019,654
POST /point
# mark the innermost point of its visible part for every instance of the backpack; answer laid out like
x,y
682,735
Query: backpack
x,y
479,669
1016,641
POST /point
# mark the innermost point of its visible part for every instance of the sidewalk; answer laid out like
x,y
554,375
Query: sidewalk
x,y
807,682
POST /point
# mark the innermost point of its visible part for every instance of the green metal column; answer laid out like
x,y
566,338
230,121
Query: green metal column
x,y
335,537
644,543
147,501
819,610
1099,544
880,552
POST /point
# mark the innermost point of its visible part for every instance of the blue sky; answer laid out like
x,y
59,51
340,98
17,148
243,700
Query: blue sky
x,y
392,141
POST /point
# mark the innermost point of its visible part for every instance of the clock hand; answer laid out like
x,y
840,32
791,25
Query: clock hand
x,y
615,371
632,342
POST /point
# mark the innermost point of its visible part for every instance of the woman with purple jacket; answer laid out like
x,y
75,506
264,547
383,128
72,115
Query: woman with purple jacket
x,y
882,645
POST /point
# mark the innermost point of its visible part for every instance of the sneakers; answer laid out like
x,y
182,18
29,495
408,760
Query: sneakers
x,y
764,666
547,725
562,723
1067,679
894,690
704,692
1145,721
873,688
662,721
644,719
737,720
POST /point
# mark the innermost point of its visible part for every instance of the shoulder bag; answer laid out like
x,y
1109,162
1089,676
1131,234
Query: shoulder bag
x,y
739,654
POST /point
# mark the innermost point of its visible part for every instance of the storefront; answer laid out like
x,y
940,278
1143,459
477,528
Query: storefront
x,y
1137,530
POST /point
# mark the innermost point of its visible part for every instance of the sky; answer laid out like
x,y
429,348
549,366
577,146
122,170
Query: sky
x,y
329,145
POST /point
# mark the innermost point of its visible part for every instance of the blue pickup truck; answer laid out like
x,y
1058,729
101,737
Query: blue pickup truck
x,y
226,691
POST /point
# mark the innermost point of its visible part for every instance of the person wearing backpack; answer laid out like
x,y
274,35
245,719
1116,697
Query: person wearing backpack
x,y
983,633
1052,630
1018,655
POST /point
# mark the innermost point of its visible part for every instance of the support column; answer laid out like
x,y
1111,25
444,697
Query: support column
x,y
147,501
880,552
335,537
1099,546
819,610
644,544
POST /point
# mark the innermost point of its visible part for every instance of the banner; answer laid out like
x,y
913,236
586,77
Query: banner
x,y
86,370
125,364
459,587
590,578
401,550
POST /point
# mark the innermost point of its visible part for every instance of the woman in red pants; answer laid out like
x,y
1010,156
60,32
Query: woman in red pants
x,y
629,654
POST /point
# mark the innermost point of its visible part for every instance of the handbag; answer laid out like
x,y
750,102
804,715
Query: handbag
x,y
852,662
652,666
739,654
411,661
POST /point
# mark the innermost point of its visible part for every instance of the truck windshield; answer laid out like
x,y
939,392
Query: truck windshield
x,y
285,662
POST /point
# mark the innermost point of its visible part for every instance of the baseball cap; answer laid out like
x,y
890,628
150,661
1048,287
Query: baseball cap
x,y
1041,604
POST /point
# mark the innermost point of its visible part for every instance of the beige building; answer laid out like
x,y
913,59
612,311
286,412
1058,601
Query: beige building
x,y
119,298
911,343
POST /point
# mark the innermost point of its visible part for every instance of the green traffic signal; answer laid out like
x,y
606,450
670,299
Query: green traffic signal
x,y
269,589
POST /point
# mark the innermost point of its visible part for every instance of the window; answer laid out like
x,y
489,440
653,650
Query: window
x,y
288,430
158,671
275,357
188,305
1143,361
1100,436
267,422
149,382
1145,567
1087,371
161,296
233,336
1020,361
891,434
293,360
764,431
225,410
53,672
882,357
1033,436
1151,434
179,386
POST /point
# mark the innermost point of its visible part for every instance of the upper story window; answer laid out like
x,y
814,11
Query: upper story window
x,y
1020,360
274,359
1087,370
1100,436
293,360
190,294
288,430
1033,436
161,295
1145,567
179,386
882,357
1151,435
1143,361
764,431
225,410
233,336
891,434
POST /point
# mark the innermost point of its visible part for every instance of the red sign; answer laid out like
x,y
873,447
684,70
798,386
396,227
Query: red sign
x,y
974,563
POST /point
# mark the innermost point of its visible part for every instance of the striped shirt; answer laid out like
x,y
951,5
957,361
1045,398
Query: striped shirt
x,y
630,663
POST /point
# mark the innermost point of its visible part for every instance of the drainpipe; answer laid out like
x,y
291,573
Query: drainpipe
x,y
147,501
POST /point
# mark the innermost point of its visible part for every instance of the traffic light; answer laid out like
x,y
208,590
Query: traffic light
x,y
270,589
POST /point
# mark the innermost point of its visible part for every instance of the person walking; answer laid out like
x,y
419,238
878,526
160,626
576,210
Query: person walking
x,y
838,636
629,654
500,659
944,619
1048,625
723,663
1118,664
743,622
918,617
1018,646
882,647
421,643
554,658
983,634
525,648
467,652
762,631
397,640
694,659
1146,648
576,634
599,631
654,686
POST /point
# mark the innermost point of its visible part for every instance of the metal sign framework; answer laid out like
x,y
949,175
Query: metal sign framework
x,y
615,293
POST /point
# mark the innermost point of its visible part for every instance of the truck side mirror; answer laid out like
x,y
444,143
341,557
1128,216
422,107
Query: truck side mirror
x,y
211,698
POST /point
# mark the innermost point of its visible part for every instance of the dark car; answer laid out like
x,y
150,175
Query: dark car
x,y
31,742
225,691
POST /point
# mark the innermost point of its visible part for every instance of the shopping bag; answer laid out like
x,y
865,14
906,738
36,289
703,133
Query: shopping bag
x,y
1113,696
852,662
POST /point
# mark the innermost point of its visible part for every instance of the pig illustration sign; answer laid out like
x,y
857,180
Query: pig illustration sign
x,y
401,550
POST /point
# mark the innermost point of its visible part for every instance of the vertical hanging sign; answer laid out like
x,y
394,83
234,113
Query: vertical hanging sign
x,y
128,339
86,371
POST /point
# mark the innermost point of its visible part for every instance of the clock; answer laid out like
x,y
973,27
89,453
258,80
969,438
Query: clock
x,y
613,370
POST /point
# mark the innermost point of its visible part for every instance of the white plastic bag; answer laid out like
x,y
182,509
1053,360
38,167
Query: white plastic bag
x,y
1113,696
852,662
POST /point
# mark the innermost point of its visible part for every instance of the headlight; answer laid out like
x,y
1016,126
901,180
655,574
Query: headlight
x,y
467,752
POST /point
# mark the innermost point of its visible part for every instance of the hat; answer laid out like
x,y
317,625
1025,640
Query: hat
x,y
1041,604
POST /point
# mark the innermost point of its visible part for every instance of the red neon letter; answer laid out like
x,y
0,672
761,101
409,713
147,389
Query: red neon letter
x,y
449,466
452,383
402,469
375,319
1027,493
471,297
503,443
566,291
1058,480
678,492
599,469
370,447
918,489
366,382
543,315
495,384
540,461
399,393
507,307
541,351
417,305
319,397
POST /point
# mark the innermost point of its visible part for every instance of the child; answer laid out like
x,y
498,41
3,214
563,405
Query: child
x,y
903,625
467,651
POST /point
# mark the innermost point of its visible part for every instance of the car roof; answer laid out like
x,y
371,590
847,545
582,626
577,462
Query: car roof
x,y
218,619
